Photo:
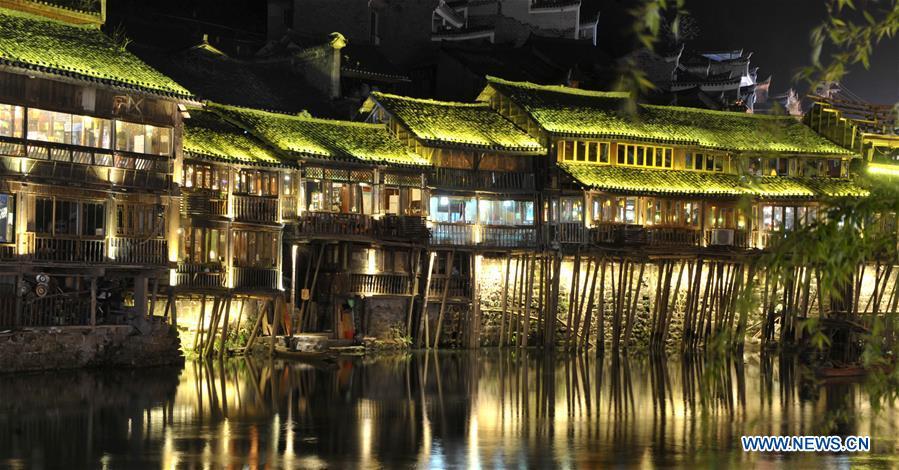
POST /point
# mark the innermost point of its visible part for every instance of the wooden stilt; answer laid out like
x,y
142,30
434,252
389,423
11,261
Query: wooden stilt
x,y
225,327
275,323
198,337
442,307
505,302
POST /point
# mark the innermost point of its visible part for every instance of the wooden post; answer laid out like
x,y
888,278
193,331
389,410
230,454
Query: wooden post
x,y
442,308
505,301
200,318
214,319
93,300
588,314
275,323
258,326
318,264
424,299
152,308
225,327
174,303
532,263
422,329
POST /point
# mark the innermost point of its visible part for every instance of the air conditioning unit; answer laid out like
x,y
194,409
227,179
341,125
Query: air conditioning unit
x,y
722,236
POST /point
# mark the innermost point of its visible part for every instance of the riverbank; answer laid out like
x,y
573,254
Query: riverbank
x,y
51,348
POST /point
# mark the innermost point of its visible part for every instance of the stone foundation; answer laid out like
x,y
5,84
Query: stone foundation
x,y
149,344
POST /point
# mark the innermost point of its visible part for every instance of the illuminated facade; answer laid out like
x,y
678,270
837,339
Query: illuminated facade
x,y
119,188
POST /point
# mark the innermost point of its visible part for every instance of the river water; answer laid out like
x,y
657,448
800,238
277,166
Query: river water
x,y
436,410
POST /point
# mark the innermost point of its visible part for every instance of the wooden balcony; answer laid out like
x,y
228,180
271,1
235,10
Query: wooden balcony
x,y
668,236
508,236
65,249
203,202
330,224
372,284
406,228
459,287
139,251
200,276
260,209
74,164
452,178
452,234
719,237
255,278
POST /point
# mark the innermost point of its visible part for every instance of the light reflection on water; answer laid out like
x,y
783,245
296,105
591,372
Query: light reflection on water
x,y
437,410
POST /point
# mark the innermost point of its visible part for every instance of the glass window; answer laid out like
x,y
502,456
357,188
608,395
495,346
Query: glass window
x,y
508,212
94,218
7,218
11,120
315,195
453,209
572,209
91,132
64,128
143,138
581,153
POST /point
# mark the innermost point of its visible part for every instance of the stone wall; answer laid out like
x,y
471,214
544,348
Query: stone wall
x,y
149,344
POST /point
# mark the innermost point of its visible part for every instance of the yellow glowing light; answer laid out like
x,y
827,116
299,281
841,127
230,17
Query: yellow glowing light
x,y
884,170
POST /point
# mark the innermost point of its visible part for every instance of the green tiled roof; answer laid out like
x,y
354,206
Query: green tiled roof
x,y
695,183
323,138
207,135
572,112
473,125
81,52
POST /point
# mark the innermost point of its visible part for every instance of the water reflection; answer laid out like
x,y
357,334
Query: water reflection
x,y
467,409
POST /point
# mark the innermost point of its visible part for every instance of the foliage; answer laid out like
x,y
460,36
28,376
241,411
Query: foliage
x,y
848,37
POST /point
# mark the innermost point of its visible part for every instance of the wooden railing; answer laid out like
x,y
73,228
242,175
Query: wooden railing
x,y
65,249
459,287
255,278
508,237
334,224
205,203
673,236
288,207
88,165
139,251
7,251
397,227
764,239
721,237
452,178
65,309
452,234
196,275
255,208
372,284
566,233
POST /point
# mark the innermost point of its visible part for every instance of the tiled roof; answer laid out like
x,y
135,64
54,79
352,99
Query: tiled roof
x,y
206,135
682,182
323,138
473,125
568,111
81,52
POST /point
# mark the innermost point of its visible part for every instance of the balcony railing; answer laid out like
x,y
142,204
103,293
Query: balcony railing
x,y
372,284
7,251
508,237
451,178
86,165
574,233
334,224
200,275
452,234
459,287
255,208
255,278
204,202
663,236
139,251
65,309
65,249
396,227
723,237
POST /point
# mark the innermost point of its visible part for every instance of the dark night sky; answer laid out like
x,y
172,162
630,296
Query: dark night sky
x,y
777,32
